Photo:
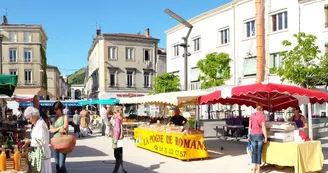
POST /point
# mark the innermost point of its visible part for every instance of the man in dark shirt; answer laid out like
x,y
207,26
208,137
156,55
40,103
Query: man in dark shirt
x,y
177,119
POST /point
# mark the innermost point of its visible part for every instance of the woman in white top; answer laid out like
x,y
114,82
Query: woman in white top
x,y
39,142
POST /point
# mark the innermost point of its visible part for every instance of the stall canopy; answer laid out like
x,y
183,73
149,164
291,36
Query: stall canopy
x,y
50,103
111,101
171,98
8,84
274,97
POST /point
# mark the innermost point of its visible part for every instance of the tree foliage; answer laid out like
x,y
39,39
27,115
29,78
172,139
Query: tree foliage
x,y
44,68
166,82
303,64
215,69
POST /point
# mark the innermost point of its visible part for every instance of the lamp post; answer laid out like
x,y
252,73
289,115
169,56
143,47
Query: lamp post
x,y
184,44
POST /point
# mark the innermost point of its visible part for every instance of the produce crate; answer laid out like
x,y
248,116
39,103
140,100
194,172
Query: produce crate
x,y
10,164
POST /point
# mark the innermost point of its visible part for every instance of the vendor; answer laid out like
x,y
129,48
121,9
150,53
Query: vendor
x,y
177,119
299,119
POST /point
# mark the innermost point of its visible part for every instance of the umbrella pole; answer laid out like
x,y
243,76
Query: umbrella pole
x,y
310,121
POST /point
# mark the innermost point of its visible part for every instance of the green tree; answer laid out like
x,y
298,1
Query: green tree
x,y
166,82
215,69
303,64
44,68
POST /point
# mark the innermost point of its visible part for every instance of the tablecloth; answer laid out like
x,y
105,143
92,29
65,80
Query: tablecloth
x,y
303,156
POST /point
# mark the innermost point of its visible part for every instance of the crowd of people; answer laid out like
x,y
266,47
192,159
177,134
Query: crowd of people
x,y
38,143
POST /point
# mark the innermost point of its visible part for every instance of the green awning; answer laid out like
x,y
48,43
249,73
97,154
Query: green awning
x,y
8,84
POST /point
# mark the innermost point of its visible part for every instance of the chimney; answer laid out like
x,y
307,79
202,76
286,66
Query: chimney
x,y
4,20
147,32
98,32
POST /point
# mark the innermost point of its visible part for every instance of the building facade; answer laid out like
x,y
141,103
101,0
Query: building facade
x,y
77,91
53,74
121,65
63,92
230,28
23,47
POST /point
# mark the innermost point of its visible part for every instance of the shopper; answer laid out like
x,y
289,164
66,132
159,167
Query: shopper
x,y
39,153
104,119
109,118
59,127
257,136
117,139
299,119
76,121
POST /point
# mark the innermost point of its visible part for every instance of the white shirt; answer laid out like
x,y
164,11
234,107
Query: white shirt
x,y
103,113
40,137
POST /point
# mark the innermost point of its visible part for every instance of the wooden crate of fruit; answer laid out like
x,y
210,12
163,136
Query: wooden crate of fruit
x,y
10,164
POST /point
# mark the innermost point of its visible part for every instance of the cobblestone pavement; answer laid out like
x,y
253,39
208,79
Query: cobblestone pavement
x,y
94,154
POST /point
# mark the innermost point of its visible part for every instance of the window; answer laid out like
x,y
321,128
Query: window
x,y
194,74
28,76
13,36
279,21
112,52
250,28
112,77
27,37
147,55
224,36
275,60
326,15
12,72
250,66
129,54
194,86
27,55
176,50
196,44
12,55
147,79
130,78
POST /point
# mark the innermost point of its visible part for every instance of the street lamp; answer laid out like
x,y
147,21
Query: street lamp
x,y
184,45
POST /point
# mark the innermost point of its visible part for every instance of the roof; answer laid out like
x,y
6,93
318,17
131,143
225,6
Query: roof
x,y
129,35
31,26
208,14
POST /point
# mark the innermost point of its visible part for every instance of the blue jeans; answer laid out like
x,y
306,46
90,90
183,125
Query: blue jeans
x,y
257,141
60,161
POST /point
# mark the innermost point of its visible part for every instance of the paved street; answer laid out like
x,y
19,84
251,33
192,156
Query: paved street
x,y
94,154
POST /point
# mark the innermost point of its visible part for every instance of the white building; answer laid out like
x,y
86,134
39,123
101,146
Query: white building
x,y
231,29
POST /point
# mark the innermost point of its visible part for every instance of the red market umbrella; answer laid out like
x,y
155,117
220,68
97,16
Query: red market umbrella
x,y
274,97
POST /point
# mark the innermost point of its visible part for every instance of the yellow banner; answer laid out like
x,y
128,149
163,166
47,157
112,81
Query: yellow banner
x,y
183,147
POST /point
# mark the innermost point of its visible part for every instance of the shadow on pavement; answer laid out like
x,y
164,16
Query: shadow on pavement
x,y
85,151
218,148
106,167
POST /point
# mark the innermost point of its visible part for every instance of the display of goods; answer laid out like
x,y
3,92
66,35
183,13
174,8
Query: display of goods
x,y
63,144
285,126
171,129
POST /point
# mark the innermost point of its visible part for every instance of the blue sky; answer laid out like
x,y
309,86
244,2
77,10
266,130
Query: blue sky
x,y
71,24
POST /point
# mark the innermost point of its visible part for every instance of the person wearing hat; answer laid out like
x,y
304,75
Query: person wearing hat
x,y
299,119
177,119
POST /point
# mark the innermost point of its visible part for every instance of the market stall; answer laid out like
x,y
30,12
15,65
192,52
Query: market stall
x,y
284,138
12,157
179,142
171,141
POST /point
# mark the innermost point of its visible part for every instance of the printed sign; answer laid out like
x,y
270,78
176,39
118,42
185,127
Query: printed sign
x,y
183,147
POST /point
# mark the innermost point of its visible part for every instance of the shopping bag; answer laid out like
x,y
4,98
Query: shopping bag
x,y
249,150
64,143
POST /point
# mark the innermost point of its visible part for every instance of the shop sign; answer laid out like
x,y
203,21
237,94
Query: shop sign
x,y
183,147
129,95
